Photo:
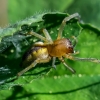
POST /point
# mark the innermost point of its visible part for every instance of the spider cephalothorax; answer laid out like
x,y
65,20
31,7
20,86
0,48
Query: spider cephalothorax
x,y
42,52
60,47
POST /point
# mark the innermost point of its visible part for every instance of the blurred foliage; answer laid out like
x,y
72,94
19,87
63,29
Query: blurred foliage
x,y
59,83
88,10
57,88
22,9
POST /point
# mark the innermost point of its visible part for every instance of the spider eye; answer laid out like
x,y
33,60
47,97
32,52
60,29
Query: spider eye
x,y
69,44
71,50
70,47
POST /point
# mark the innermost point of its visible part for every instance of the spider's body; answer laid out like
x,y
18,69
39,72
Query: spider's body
x,y
34,53
60,48
42,52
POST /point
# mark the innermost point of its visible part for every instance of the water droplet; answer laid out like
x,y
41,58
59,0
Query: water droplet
x,y
50,91
12,50
80,75
58,76
55,77
23,77
38,25
34,97
51,32
34,40
66,75
57,29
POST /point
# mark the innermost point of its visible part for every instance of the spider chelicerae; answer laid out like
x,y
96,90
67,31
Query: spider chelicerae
x,y
43,52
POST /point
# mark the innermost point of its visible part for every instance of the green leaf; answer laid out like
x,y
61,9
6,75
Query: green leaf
x,y
15,43
56,82
84,9
57,87
27,10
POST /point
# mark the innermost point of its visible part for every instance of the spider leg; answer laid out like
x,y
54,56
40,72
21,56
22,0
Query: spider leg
x,y
62,60
75,41
83,59
48,37
50,42
53,62
64,23
33,65
75,53
38,36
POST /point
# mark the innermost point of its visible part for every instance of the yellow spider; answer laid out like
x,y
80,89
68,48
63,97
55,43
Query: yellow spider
x,y
43,52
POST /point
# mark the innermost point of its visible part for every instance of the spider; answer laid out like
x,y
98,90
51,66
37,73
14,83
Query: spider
x,y
43,52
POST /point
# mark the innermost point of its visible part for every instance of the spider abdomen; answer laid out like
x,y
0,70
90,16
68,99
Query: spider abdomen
x,y
33,54
60,47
